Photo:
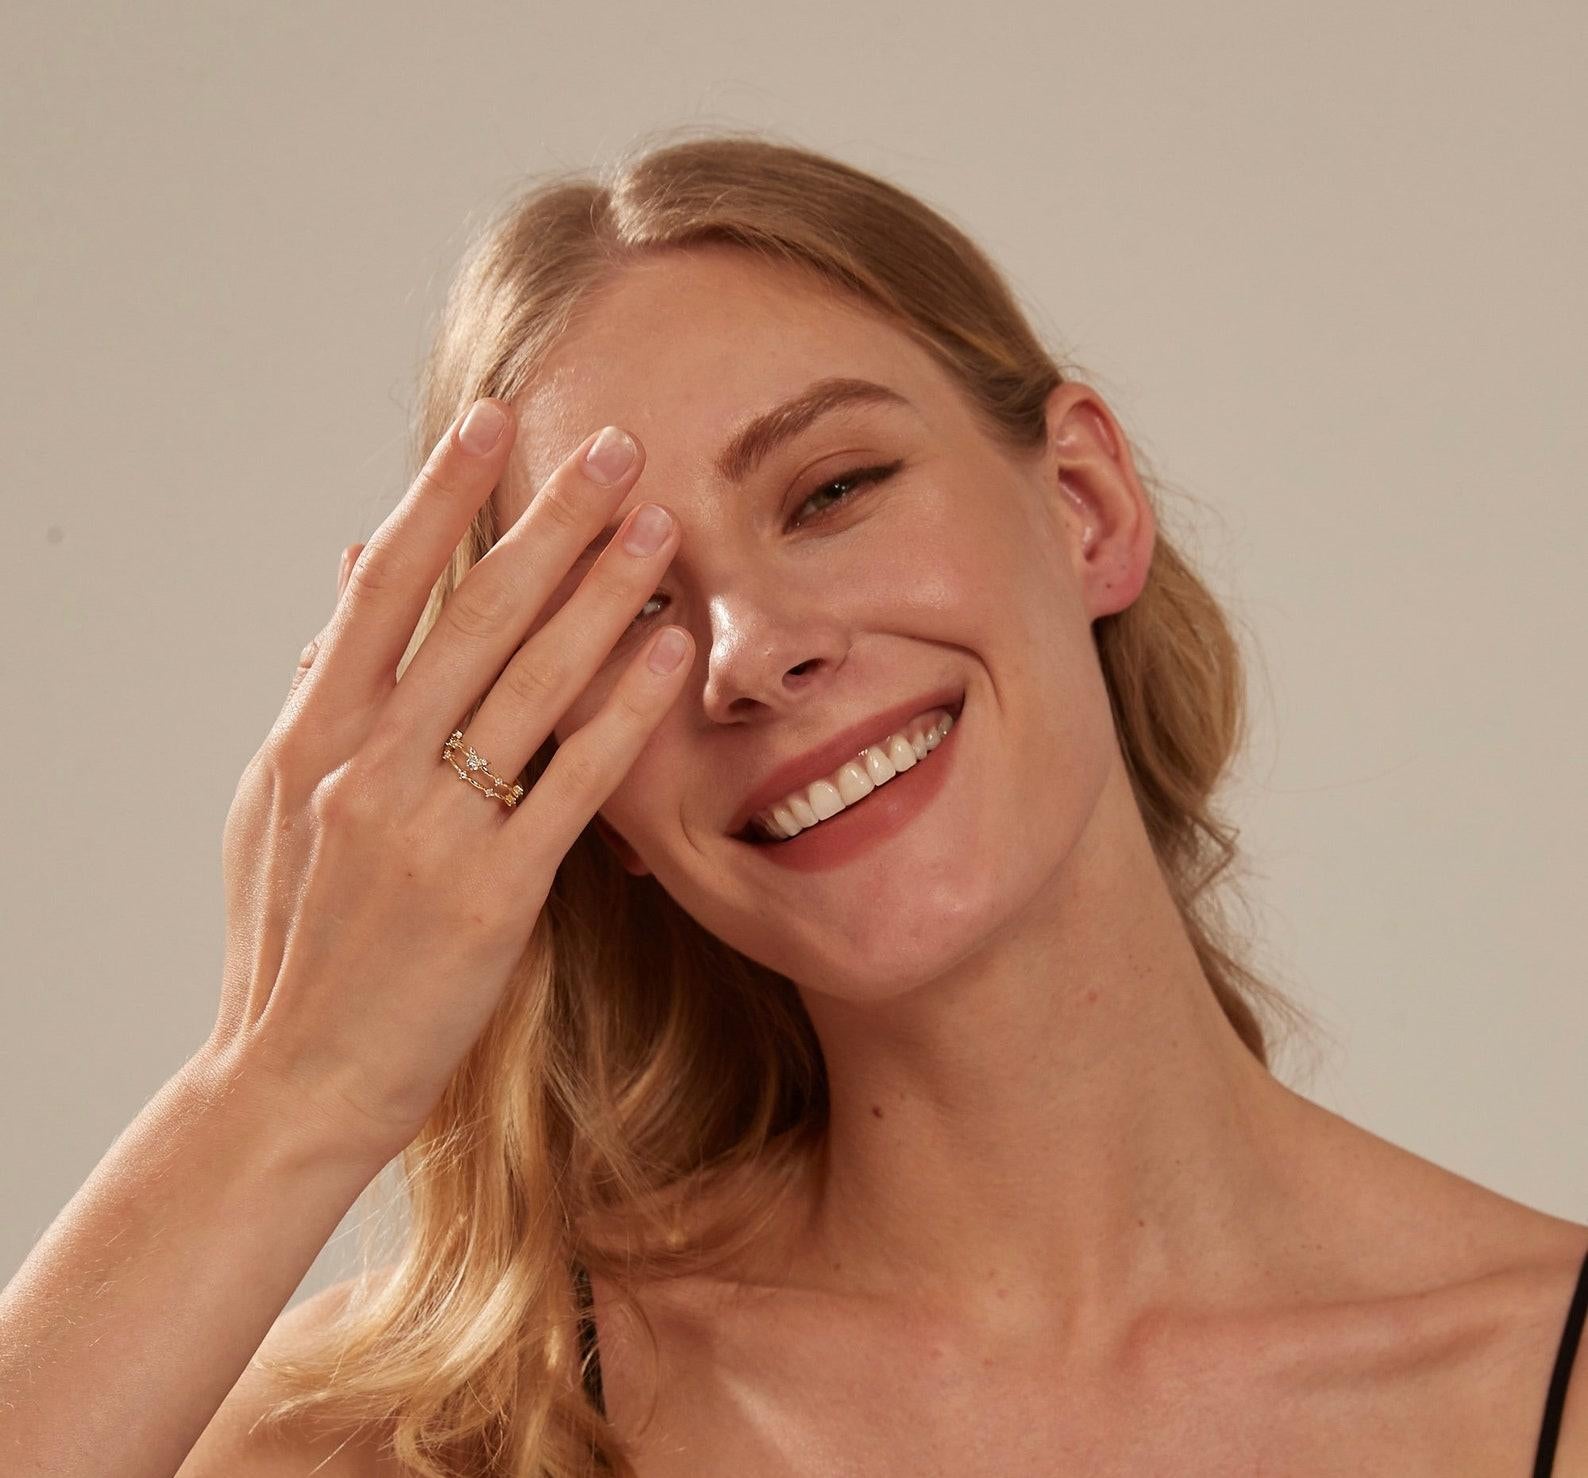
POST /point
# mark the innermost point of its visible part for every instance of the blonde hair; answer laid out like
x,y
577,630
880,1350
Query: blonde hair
x,y
637,1062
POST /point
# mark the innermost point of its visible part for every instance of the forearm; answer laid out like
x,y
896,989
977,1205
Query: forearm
x,y
139,1308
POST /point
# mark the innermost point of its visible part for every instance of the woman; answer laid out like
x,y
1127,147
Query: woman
x,y
841,1020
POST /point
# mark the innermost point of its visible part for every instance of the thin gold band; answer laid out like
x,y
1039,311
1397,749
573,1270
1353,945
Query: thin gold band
x,y
472,761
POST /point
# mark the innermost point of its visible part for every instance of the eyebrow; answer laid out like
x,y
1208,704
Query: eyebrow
x,y
757,440
759,437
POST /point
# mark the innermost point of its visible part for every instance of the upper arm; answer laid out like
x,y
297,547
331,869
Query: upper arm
x,y
231,1447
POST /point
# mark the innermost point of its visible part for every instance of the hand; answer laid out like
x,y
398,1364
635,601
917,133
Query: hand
x,y
376,904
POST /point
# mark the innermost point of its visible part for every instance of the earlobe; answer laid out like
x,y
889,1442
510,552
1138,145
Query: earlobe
x,y
1097,475
627,857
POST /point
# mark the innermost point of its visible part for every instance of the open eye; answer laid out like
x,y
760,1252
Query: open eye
x,y
847,483
642,616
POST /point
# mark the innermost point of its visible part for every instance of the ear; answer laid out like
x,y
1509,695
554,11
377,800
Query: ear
x,y
1107,511
627,857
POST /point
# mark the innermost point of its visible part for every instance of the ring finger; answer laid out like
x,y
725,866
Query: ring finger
x,y
555,665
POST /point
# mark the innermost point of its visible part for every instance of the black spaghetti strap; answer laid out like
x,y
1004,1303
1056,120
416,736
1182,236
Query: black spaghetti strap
x,y
589,1350
1555,1402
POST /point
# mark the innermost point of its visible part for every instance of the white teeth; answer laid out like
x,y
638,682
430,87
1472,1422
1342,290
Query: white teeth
x,y
785,819
825,800
854,780
877,766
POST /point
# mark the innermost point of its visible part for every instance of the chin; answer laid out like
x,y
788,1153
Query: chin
x,y
879,964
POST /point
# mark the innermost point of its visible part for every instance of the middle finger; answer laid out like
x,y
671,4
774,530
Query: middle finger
x,y
485,619
559,661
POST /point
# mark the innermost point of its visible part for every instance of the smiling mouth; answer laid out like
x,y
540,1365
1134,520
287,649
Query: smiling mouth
x,y
753,835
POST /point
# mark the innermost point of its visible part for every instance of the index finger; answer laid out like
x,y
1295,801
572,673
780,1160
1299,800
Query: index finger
x,y
392,579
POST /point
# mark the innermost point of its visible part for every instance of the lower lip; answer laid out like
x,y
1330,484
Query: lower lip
x,y
872,820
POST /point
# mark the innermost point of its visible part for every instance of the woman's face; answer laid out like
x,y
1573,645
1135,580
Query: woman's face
x,y
963,571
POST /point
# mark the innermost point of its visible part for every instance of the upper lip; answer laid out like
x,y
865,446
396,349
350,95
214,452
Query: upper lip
x,y
817,763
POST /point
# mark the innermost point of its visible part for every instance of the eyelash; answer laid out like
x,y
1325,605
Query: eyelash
x,y
858,477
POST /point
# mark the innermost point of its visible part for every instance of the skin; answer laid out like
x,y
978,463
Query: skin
x,y
1052,1164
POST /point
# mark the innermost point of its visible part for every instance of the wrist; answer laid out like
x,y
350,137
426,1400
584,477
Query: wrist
x,y
243,1088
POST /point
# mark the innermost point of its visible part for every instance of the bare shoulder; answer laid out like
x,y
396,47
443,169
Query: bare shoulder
x,y
1571,1452
1496,1328
1438,1303
1534,1299
237,1445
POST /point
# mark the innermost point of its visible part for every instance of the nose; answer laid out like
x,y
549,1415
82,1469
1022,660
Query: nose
x,y
778,665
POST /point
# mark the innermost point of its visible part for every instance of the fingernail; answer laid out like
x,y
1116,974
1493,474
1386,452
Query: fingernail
x,y
610,455
669,650
649,530
482,427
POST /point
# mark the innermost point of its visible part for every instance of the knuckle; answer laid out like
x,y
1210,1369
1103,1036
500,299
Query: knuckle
x,y
306,660
344,801
330,805
616,583
256,787
634,706
438,477
257,810
479,613
560,506
380,569
583,768
279,764
532,682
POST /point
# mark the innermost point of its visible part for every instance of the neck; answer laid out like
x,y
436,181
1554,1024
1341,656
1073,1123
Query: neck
x,y
1065,1127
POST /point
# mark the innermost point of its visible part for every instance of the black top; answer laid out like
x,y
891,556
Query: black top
x,y
1549,1432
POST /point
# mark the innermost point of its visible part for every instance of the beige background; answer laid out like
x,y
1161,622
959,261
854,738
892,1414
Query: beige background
x,y
1325,262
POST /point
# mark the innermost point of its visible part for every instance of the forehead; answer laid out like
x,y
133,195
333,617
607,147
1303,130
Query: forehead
x,y
683,347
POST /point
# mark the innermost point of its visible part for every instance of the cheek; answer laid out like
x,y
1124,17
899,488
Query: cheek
x,y
979,583
967,545
649,799
1008,597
